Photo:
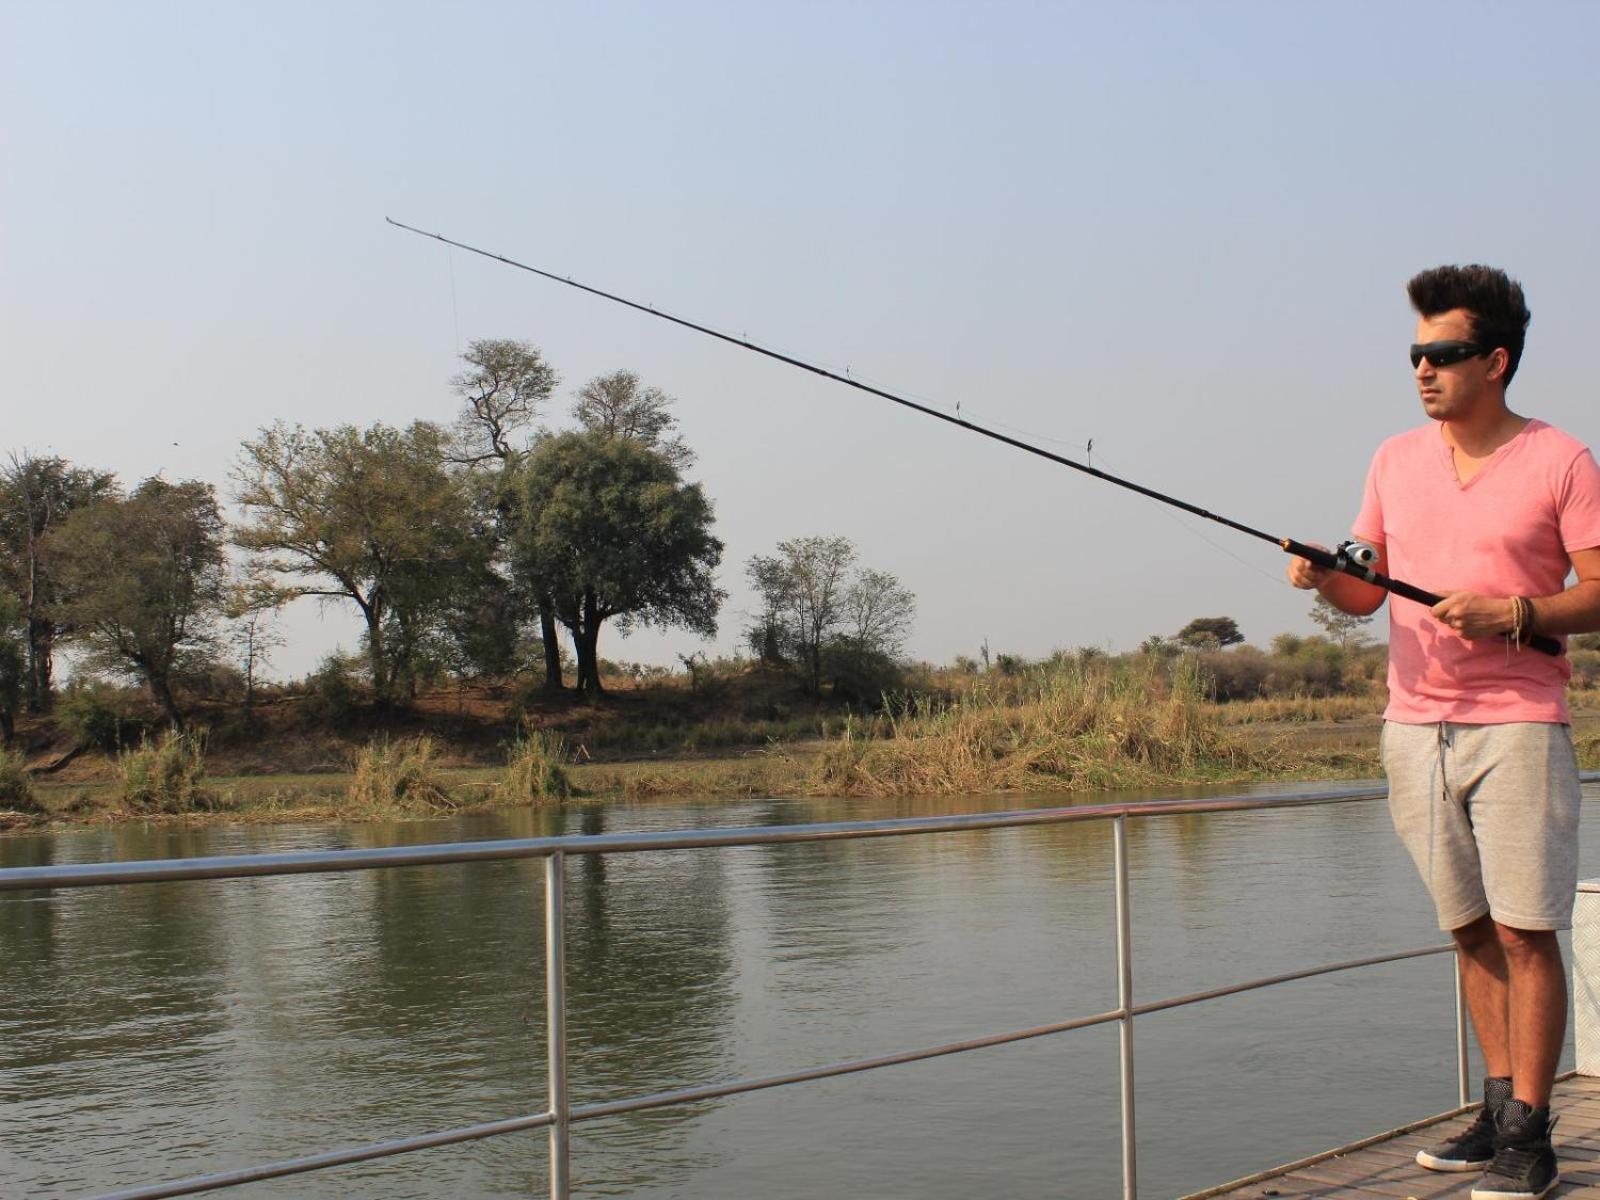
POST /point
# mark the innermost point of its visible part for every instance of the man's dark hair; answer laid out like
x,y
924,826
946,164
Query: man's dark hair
x,y
1499,312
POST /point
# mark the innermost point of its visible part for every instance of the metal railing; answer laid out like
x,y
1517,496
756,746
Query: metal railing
x,y
559,1117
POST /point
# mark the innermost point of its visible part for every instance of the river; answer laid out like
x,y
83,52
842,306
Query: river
x,y
151,1032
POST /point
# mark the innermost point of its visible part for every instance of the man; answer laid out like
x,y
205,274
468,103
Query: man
x,y
1492,510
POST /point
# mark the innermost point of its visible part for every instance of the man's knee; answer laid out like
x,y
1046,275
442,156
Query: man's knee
x,y
1528,945
1476,935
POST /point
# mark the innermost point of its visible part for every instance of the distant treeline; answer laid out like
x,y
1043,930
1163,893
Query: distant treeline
x,y
467,550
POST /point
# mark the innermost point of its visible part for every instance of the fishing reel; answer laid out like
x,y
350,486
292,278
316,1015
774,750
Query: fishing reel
x,y
1361,555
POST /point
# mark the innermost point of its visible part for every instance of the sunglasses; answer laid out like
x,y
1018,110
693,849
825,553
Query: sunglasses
x,y
1444,354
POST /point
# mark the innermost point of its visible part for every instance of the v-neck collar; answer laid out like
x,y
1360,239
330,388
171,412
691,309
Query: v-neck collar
x,y
1447,454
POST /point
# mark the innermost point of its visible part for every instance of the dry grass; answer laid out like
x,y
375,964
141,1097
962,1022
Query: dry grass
x,y
16,787
1064,728
165,776
398,775
535,769
1300,709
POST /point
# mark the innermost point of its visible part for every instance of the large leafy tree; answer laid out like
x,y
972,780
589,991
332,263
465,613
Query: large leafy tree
x,y
501,391
612,531
142,579
371,516
36,496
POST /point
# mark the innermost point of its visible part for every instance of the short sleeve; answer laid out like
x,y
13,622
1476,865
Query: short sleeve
x,y
1368,524
1580,504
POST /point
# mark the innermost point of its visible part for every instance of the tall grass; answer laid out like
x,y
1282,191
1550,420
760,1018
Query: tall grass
x,y
165,776
1067,726
390,775
1301,709
16,787
535,768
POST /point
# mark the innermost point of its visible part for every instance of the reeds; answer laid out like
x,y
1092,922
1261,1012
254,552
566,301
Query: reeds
x,y
166,775
535,768
16,786
392,775
1067,726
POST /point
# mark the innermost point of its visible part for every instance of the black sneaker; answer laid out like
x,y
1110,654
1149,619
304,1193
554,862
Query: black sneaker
x,y
1473,1148
1524,1166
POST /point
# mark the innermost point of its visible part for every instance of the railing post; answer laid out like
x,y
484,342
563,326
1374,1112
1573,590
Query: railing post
x,y
555,984
1463,1084
1130,1151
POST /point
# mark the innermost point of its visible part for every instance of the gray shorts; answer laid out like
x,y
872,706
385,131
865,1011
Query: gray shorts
x,y
1489,814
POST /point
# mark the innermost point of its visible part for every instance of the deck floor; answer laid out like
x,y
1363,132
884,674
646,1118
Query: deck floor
x,y
1387,1170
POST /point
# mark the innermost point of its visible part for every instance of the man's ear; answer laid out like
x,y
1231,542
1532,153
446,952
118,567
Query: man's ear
x,y
1499,360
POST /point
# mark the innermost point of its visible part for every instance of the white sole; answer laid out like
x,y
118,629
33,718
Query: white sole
x,y
1485,1194
1424,1159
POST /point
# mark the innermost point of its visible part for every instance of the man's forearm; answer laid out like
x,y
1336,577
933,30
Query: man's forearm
x,y
1349,594
1576,610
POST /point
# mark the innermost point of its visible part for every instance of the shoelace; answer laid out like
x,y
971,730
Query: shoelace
x,y
1512,1161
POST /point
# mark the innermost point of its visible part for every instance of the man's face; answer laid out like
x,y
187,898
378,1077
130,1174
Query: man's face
x,y
1457,391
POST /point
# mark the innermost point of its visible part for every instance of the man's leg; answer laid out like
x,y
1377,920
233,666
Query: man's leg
x,y
1536,1008
1484,974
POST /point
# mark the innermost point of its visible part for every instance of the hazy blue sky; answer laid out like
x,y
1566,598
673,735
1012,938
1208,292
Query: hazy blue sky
x,y
1181,230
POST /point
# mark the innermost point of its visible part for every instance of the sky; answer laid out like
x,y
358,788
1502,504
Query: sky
x,y
1179,230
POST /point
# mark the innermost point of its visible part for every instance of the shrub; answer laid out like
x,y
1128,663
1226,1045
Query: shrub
x,y
534,770
334,687
861,675
165,776
104,716
389,774
16,788
1238,674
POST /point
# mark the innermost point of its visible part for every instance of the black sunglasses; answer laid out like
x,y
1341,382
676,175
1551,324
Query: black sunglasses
x,y
1444,354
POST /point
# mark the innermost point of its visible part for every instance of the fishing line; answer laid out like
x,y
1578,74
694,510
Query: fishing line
x,y
1350,558
455,312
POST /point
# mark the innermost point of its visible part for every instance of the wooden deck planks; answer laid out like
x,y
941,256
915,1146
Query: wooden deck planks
x,y
1387,1170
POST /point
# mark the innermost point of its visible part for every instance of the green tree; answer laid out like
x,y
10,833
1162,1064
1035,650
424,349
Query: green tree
x,y
502,391
1344,629
36,496
616,405
826,618
802,590
13,664
1210,633
610,529
366,515
141,580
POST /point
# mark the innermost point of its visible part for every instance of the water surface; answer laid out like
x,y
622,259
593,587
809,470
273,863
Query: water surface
x,y
151,1032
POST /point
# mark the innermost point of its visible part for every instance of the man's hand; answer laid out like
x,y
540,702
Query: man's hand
x,y
1304,573
1475,616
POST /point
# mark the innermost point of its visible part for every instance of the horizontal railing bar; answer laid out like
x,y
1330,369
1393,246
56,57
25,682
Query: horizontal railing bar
x,y
712,1091
333,1158
1155,1006
612,1108
301,862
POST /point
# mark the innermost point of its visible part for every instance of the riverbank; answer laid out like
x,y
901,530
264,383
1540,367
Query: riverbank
x,y
1064,731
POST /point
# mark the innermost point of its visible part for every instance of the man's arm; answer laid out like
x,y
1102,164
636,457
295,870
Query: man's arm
x,y
1575,610
1345,592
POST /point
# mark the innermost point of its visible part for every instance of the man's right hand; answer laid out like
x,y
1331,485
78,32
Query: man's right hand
x,y
1304,573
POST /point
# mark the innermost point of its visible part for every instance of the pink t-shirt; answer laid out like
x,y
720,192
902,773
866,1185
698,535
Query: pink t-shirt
x,y
1505,532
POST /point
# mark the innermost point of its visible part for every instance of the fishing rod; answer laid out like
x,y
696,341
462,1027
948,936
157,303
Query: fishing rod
x,y
1351,558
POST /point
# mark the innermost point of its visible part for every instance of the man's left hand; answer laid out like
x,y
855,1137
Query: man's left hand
x,y
1474,616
